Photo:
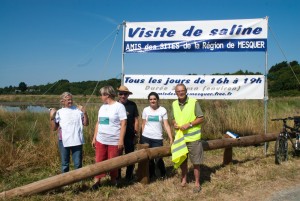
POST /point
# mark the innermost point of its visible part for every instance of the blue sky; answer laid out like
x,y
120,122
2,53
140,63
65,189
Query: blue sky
x,y
42,41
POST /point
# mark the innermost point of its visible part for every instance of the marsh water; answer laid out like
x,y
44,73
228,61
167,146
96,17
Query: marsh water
x,y
18,107
25,106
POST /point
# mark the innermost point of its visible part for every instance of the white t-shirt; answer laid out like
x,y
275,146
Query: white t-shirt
x,y
109,118
70,122
154,120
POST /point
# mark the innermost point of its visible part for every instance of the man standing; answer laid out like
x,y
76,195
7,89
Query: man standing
x,y
187,121
132,126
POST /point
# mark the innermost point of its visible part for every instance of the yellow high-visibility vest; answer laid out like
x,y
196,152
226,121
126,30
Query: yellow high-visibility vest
x,y
185,116
179,149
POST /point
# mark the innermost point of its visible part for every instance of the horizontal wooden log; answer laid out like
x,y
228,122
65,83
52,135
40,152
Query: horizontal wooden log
x,y
76,175
219,144
239,142
123,161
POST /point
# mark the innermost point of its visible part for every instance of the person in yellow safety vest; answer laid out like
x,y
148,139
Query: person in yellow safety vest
x,y
187,120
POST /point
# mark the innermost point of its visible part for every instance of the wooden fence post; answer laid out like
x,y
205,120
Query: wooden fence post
x,y
227,156
143,167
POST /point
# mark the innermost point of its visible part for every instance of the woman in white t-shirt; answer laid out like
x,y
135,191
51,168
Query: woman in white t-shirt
x,y
154,118
109,132
69,120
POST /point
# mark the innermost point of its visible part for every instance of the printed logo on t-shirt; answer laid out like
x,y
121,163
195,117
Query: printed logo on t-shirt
x,y
104,120
153,118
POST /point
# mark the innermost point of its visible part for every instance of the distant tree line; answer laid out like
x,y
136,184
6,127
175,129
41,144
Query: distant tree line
x,y
76,88
283,80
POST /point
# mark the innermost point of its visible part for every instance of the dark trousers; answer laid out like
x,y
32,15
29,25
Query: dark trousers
x,y
156,166
128,148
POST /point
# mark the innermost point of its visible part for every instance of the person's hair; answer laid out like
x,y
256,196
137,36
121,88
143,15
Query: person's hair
x,y
181,85
64,95
108,90
153,94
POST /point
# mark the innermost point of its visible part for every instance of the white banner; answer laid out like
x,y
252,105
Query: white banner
x,y
199,86
201,36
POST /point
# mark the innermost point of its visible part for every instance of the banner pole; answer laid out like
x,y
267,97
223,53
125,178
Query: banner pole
x,y
266,97
122,76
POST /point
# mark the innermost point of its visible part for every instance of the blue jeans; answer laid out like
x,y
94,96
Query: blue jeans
x,y
158,162
65,156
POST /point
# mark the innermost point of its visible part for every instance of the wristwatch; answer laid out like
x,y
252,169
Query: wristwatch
x,y
191,125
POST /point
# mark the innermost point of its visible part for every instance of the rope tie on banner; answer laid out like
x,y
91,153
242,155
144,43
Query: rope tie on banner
x,y
106,62
284,55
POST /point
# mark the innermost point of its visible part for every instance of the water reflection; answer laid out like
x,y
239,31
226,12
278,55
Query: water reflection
x,y
29,108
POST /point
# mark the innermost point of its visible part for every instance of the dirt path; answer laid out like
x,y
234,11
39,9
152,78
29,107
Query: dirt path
x,y
288,194
279,190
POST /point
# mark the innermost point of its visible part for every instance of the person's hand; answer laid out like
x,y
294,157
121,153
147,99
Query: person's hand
x,y
171,141
120,144
82,108
94,143
185,127
136,139
52,113
176,126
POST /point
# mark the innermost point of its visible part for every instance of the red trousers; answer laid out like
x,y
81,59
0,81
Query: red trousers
x,y
104,152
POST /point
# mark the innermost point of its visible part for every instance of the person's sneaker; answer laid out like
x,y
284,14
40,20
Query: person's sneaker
x,y
95,186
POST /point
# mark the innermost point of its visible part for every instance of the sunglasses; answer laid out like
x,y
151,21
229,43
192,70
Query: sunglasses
x,y
121,94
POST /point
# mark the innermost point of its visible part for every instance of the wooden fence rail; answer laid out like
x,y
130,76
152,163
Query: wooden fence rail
x,y
141,156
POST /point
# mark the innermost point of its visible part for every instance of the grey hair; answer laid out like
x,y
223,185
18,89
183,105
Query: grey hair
x,y
109,90
65,94
181,85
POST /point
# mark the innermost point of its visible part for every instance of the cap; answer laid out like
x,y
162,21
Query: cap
x,y
124,89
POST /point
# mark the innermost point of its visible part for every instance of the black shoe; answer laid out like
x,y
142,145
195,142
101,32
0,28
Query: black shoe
x,y
95,186
129,178
115,184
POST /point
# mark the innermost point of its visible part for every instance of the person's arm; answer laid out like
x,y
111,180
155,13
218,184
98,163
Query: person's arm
x,y
175,125
136,124
197,121
188,125
85,121
168,130
199,115
122,133
143,125
53,124
95,134
137,135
